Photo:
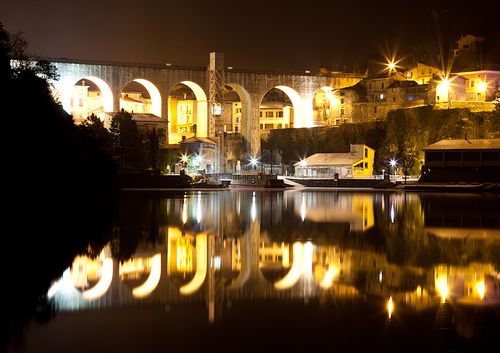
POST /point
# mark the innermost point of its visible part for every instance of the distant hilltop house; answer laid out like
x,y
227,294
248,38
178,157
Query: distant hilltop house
x,y
467,160
356,163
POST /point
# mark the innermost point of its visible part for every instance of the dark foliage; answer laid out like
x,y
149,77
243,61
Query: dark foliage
x,y
59,188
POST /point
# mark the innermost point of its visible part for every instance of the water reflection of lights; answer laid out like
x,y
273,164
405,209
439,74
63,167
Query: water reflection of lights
x,y
442,287
201,267
102,286
253,208
390,307
152,282
63,285
303,207
184,210
198,208
329,277
301,265
393,216
295,271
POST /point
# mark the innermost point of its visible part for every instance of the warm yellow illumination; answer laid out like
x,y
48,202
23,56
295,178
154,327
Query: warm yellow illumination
x,y
481,289
481,86
154,278
102,286
299,119
441,284
155,95
390,307
330,275
107,96
184,210
201,267
201,106
391,66
184,158
295,271
443,90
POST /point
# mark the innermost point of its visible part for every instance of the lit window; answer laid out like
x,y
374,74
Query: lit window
x,y
269,114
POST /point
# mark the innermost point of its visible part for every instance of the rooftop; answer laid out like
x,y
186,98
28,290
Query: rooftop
x,y
469,144
331,159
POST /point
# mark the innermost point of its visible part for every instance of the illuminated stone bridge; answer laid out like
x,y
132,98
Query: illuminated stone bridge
x,y
160,80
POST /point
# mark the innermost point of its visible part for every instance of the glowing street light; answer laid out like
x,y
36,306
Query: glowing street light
x,y
393,163
184,158
303,163
197,160
253,162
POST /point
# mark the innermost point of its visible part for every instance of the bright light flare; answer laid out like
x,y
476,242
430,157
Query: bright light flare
x,y
184,158
481,289
393,163
481,86
303,163
253,161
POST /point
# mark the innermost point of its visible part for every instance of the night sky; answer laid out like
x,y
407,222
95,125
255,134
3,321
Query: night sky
x,y
340,35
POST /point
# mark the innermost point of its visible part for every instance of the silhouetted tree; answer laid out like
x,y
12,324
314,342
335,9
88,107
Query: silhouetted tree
x,y
59,201
127,141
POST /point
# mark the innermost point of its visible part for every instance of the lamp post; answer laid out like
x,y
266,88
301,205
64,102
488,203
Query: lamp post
x,y
393,164
253,163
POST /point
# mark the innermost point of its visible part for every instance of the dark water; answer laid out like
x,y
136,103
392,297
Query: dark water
x,y
299,270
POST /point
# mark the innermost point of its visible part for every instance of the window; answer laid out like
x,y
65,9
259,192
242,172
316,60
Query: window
x,y
337,121
393,98
382,85
269,114
279,114
260,114
375,109
366,152
80,102
471,83
433,156
236,128
342,111
490,156
341,100
366,164
268,127
238,110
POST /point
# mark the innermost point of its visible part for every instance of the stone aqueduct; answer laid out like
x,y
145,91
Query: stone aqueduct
x,y
159,80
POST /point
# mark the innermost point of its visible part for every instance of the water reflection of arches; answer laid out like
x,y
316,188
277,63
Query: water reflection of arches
x,y
147,269
187,261
85,271
187,117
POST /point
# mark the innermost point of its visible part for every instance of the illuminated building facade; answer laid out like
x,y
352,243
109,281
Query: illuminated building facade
x,y
357,163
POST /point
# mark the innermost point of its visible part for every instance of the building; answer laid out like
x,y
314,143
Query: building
x,y
201,153
422,73
475,160
372,98
468,55
275,115
482,85
356,163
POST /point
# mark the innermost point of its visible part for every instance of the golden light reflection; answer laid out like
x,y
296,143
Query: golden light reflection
x,y
295,271
481,289
330,275
201,267
152,282
441,284
184,210
102,286
390,307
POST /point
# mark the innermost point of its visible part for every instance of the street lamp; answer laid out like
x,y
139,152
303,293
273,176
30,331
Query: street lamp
x,y
253,162
393,164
